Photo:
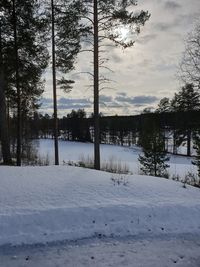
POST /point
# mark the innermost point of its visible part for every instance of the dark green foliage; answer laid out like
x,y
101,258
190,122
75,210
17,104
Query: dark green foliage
x,y
154,156
24,57
32,27
79,126
188,99
164,105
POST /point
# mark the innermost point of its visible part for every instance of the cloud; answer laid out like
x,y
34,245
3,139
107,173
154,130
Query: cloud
x,y
74,106
66,103
162,26
115,58
46,101
69,101
138,100
104,98
172,5
146,38
121,94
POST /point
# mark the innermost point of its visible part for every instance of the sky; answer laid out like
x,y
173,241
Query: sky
x,y
141,75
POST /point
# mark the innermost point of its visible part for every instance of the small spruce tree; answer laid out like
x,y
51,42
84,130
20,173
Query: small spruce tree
x,y
154,158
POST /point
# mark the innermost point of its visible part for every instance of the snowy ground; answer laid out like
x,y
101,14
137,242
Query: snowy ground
x,y
68,216
44,204
182,251
74,151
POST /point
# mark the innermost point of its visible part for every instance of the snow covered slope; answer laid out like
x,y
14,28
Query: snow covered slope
x,y
40,204
74,151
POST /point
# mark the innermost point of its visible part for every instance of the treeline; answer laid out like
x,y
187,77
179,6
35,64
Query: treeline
x,y
120,130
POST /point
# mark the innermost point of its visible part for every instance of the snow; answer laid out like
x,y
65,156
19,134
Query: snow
x,y
143,251
54,203
74,151
70,216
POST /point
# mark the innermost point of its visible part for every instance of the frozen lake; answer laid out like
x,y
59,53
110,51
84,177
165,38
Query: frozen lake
x,y
75,151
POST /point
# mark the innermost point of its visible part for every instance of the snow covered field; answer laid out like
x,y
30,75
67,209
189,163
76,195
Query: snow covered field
x,y
40,204
70,216
74,151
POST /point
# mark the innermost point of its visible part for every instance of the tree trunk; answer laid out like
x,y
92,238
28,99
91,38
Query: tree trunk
x,y
19,130
54,86
188,143
96,90
174,143
5,142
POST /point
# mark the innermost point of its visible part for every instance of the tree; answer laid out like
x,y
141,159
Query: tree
x,y
25,57
154,157
164,105
78,126
106,19
65,46
188,99
4,136
190,64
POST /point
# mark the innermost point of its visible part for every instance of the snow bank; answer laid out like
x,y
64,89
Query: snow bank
x,y
41,204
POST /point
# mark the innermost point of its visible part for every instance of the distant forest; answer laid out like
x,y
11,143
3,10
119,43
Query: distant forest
x,y
178,128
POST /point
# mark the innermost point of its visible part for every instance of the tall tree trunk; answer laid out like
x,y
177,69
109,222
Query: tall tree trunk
x,y
54,86
174,143
19,127
4,136
96,90
188,142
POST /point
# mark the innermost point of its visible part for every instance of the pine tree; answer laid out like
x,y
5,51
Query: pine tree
x,y
164,105
4,134
105,19
188,99
65,46
25,56
154,158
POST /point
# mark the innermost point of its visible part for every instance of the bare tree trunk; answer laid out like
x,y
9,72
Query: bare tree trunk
x,y
188,143
96,90
19,127
54,86
5,142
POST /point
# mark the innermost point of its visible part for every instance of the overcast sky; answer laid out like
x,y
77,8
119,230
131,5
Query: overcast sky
x,y
143,74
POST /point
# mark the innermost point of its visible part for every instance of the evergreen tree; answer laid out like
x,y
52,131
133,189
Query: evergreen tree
x,y
188,99
4,135
164,105
25,56
66,32
105,19
154,158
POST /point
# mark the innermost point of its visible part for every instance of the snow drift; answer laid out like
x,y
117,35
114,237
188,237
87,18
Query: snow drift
x,y
43,204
